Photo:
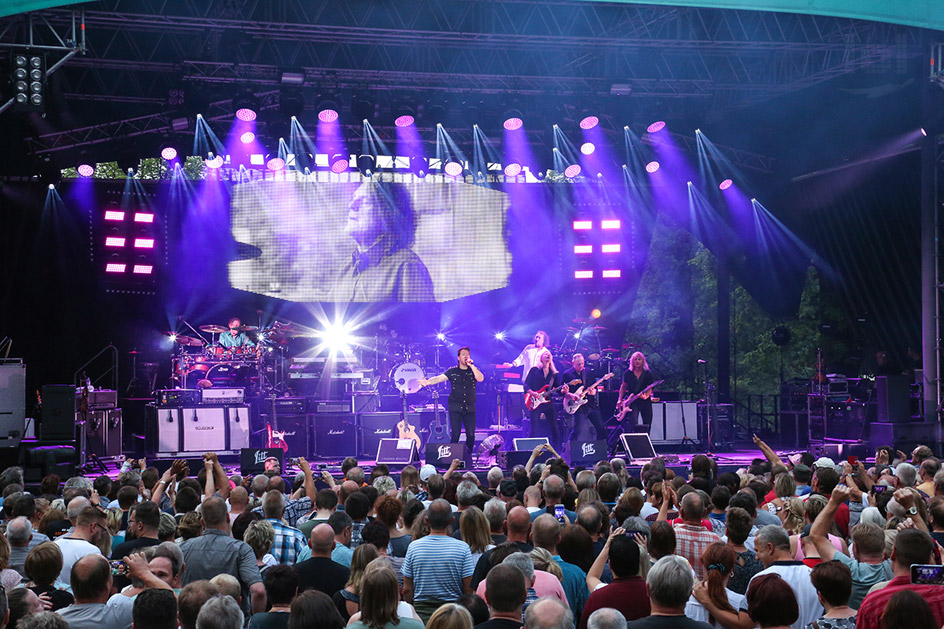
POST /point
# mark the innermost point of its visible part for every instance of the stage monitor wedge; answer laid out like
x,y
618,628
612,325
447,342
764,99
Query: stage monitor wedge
x,y
638,447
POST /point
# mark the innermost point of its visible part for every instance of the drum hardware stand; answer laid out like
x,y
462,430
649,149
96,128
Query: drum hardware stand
x,y
133,383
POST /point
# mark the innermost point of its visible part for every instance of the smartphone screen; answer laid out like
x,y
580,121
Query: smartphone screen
x,y
877,489
559,513
927,574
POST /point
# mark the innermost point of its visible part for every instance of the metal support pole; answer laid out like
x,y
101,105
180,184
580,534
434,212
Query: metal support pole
x,y
724,333
930,280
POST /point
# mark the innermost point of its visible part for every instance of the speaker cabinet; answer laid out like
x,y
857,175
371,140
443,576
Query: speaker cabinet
x,y
12,400
203,429
103,432
377,426
442,454
893,394
58,419
335,435
587,453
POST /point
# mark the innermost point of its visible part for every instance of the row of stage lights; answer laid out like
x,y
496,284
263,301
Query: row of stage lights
x,y
339,162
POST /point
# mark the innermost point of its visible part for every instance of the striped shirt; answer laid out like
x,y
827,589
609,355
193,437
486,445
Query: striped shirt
x,y
438,564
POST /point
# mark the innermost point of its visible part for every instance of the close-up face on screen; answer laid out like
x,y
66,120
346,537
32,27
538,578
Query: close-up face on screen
x,y
369,242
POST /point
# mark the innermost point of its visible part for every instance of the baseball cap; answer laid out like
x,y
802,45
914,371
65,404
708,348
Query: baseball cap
x,y
508,488
426,471
824,461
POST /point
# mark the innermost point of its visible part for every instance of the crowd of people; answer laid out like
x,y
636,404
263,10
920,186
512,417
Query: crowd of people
x,y
794,542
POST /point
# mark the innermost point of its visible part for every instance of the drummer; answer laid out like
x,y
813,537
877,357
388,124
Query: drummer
x,y
235,337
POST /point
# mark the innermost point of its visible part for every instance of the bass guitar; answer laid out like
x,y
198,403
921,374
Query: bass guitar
x,y
645,394
572,405
536,398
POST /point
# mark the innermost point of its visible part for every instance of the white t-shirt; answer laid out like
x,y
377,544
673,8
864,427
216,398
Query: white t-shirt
x,y
73,549
695,611
797,574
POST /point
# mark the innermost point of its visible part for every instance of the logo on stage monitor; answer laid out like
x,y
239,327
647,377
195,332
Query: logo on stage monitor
x,y
588,448
444,452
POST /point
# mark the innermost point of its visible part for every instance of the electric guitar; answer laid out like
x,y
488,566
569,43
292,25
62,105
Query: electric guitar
x,y
275,438
404,429
572,405
536,398
645,394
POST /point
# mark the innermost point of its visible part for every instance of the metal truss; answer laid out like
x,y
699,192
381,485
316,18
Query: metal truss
x,y
501,50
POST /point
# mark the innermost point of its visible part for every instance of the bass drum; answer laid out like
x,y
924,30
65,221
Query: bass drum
x,y
405,377
222,375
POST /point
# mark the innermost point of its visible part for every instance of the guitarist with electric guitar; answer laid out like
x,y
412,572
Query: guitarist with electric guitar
x,y
582,403
635,394
540,385
462,378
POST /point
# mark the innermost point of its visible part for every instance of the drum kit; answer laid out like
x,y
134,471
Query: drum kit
x,y
198,363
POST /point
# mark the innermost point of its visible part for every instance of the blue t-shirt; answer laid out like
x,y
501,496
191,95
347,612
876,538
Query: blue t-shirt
x,y
438,564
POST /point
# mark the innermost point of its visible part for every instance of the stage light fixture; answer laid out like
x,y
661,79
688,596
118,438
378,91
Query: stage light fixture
x,y
583,224
247,137
513,169
499,336
143,243
338,163
246,114
29,81
453,168
336,338
513,124
724,185
610,248
114,215
440,336
115,267
115,241
596,313
275,164
587,148
572,171
418,166
583,249
583,275
142,269
142,217
923,132
328,115
85,170
611,274
652,167
589,122
214,162
366,164
169,153
656,126
404,121
610,223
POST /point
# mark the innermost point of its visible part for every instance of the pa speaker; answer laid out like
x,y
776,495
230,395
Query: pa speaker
x,y
335,435
587,453
58,418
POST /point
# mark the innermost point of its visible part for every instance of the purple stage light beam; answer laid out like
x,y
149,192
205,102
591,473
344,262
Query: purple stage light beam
x,y
85,170
513,124
572,171
453,169
247,137
513,169
589,122
656,126
724,185
652,167
169,153
404,121
327,115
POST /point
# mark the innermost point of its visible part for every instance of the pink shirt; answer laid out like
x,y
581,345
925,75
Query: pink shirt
x,y
545,584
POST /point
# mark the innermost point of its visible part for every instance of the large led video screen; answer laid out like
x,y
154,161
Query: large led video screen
x,y
424,241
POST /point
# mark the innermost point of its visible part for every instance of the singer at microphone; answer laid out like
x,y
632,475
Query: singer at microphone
x,y
462,380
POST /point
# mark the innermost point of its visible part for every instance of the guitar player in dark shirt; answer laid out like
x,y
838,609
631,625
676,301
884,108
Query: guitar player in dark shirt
x,y
635,380
462,379
544,375
589,411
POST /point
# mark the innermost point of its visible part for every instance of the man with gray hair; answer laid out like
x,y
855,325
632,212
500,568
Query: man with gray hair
x,y
691,537
257,488
221,612
495,514
289,541
606,618
553,487
548,613
466,493
772,545
19,534
906,475
523,562
494,478
670,584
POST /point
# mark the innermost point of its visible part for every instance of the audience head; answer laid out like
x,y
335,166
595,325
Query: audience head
x,y
833,583
771,544
313,608
191,600
43,563
221,612
23,602
155,609
670,583
43,620
505,589
606,618
91,579
439,515
911,546
452,616
548,613
771,601
906,609
661,540
322,541
228,585
281,584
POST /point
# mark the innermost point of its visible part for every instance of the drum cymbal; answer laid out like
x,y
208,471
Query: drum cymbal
x,y
571,329
213,329
191,341
248,328
593,357
597,327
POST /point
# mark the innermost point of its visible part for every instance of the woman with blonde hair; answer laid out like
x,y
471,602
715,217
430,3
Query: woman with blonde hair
x,y
804,550
381,607
539,377
260,536
475,532
113,517
793,515
348,600
544,561
450,616
410,479
635,382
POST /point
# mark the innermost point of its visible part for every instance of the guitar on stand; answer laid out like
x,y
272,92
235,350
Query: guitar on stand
x,y
404,429
437,429
275,438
